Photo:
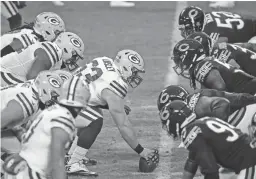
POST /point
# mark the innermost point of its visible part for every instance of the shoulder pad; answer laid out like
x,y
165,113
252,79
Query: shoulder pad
x,y
53,51
189,134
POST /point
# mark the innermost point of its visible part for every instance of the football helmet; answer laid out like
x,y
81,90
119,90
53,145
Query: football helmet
x,y
72,49
174,116
186,54
64,75
49,25
191,19
48,85
74,92
130,64
204,39
171,93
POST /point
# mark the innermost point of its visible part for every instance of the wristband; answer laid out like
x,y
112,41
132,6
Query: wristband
x,y
139,149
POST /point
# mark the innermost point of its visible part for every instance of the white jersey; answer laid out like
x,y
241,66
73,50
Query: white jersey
x,y
36,144
26,36
102,74
26,94
19,63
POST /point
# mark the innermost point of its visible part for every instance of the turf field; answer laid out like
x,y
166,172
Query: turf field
x,y
150,29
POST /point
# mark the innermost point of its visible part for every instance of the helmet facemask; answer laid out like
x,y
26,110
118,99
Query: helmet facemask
x,y
181,68
135,79
71,63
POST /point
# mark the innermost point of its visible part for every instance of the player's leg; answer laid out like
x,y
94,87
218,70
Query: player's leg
x,y
89,122
10,11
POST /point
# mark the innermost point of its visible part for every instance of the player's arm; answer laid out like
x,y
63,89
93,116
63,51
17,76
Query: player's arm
x,y
204,157
41,63
190,167
59,139
9,117
214,80
116,109
249,46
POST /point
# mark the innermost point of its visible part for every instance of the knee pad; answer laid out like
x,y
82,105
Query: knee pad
x,y
15,21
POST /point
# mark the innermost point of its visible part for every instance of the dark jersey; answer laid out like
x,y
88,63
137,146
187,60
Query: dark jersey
x,y
235,27
245,58
212,142
235,79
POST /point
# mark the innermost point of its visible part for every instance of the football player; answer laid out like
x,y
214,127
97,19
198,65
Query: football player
x,y
18,67
227,53
108,83
9,9
46,27
210,141
220,26
192,63
51,132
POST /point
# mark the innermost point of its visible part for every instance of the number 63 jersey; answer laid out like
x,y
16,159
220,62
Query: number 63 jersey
x,y
213,141
101,73
235,27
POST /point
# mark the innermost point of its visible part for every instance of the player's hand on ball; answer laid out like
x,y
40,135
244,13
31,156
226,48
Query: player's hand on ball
x,y
150,154
150,163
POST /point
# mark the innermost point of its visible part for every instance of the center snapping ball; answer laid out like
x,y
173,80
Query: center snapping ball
x,y
147,167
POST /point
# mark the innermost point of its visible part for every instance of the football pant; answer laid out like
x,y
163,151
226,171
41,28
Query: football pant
x,y
87,115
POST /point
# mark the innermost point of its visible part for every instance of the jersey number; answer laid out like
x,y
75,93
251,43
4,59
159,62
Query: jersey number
x,y
219,127
228,23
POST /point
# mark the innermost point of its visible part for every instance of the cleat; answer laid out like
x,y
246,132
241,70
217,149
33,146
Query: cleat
x,y
89,162
78,168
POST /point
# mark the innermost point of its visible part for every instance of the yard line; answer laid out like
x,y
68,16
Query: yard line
x,y
166,144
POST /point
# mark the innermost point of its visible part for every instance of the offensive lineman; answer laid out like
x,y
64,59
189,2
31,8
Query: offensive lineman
x,y
55,128
46,27
108,83
66,50
211,141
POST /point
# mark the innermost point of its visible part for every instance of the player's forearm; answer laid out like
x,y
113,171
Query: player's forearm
x,y
239,100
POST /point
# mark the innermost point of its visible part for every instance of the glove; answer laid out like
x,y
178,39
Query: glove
x,y
150,154
127,109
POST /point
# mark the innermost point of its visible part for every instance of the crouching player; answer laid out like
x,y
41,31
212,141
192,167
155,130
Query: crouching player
x,y
51,132
210,141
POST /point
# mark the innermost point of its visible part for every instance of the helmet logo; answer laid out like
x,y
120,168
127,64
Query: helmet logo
x,y
193,13
134,59
64,77
183,47
53,21
75,42
54,82
199,39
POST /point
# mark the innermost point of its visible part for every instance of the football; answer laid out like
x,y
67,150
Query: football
x,y
147,167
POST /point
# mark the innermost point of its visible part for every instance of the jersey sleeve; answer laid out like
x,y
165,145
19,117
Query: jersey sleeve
x,y
115,83
28,101
53,51
202,70
64,122
26,37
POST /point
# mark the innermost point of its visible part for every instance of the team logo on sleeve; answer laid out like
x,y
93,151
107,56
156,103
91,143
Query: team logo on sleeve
x,y
54,82
53,21
75,42
134,59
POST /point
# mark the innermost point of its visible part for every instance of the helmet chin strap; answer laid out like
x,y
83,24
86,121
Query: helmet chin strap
x,y
188,120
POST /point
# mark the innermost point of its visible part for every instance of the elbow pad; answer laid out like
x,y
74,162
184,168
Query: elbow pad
x,y
191,166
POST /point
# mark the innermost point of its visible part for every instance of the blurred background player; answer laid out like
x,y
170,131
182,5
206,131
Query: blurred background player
x,y
222,4
65,51
9,9
46,27
121,4
55,128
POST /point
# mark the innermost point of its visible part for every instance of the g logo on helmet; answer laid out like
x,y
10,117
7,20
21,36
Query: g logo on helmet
x,y
63,77
134,59
54,82
53,21
75,42
183,47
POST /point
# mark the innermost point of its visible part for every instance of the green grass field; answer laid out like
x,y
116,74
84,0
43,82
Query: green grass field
x,y
146,28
